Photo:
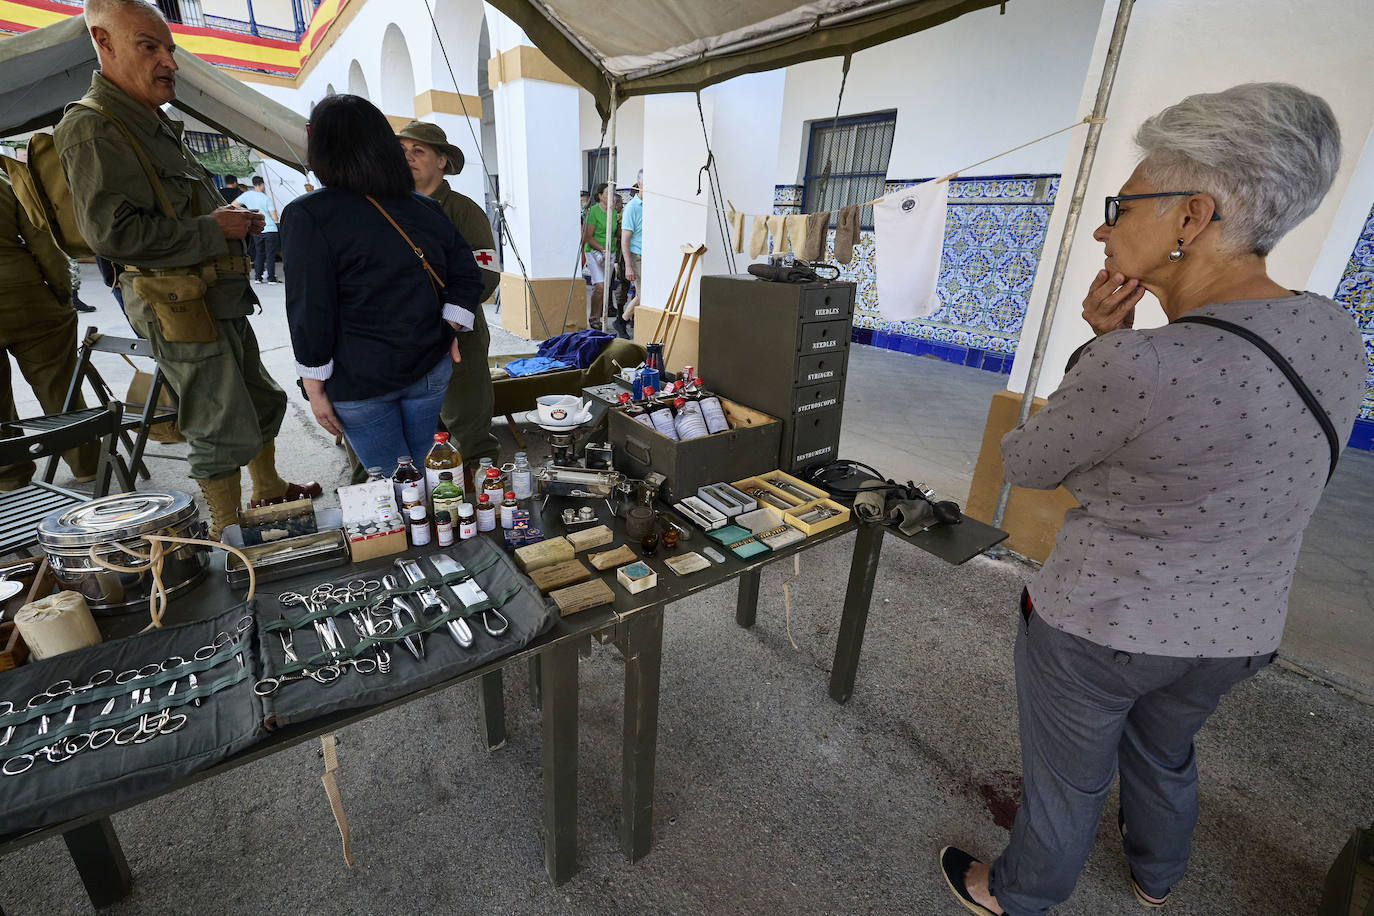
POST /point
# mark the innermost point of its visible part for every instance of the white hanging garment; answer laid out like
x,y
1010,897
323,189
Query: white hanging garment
x,y
909,232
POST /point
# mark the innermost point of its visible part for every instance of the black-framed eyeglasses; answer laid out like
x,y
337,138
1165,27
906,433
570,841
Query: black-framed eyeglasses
x,y
1113,208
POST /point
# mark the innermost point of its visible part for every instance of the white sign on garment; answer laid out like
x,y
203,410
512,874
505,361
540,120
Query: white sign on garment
x,y
909,232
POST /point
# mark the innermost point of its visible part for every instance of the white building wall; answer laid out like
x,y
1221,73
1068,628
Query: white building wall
x,y
742,121
1349,219
963,91
629,132
1205,48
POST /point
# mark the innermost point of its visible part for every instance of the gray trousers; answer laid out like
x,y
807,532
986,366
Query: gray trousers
x,y
1087,713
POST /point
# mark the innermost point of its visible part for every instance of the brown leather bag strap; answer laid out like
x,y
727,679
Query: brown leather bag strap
x,y
419,252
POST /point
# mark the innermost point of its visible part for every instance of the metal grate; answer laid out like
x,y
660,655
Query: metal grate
x,y
201,141
857,150
598,166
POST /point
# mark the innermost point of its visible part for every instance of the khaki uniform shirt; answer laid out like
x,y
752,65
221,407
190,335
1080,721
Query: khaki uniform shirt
x,y
117,209
29,258
471,222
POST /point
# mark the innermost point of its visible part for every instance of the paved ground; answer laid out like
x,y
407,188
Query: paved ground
x,y
771,798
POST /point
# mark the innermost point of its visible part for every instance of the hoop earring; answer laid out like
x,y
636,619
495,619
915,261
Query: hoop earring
x,y
1177,254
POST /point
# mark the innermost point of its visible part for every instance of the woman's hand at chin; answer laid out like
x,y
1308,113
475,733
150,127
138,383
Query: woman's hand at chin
x,y
1110,303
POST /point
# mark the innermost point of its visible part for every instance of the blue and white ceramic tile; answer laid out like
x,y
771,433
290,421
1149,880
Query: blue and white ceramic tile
x,y
1356,292
994,232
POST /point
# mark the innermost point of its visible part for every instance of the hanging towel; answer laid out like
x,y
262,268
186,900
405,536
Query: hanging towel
x,y
776,230
758,236
737,230
846,233
909,227
817,226
795,227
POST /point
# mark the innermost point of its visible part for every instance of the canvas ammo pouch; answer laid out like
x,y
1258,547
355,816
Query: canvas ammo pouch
x,y
177,300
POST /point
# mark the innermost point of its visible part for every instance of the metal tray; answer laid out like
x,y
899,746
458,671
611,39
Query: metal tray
x,y
289,557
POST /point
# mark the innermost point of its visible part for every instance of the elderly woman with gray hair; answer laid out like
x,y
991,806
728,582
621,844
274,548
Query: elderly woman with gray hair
x,y
1197,461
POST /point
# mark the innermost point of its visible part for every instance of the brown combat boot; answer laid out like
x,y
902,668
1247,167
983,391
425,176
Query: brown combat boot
x,y
222,497
268,486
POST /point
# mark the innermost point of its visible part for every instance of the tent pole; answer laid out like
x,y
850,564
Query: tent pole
x,y
610,215
1061,259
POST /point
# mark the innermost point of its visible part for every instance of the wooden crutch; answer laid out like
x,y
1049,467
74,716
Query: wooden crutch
x,y
665,332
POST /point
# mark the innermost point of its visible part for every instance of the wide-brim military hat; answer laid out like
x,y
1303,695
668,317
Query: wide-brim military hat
x,y
433,135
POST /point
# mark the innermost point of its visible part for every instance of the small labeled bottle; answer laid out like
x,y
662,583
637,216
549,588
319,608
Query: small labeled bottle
x,y
508,508
467,522
411,497
492,487
689,422
521,477
446,495
375,474
419,526
714,414
443,528
486,514
662,419
406,473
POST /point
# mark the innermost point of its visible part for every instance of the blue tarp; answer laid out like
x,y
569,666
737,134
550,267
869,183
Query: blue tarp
x,y
579,348
533,366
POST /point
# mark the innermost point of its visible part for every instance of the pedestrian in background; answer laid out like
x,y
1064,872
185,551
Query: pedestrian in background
x,y
600,262
266,245
231,190
631,243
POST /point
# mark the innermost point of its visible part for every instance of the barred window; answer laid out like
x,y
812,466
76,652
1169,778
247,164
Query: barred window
x,y
598,166
856,150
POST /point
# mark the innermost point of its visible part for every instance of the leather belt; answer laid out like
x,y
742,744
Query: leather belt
x,y
210,271
236,264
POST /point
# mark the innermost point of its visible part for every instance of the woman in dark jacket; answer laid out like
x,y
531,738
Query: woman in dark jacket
x,y
380,281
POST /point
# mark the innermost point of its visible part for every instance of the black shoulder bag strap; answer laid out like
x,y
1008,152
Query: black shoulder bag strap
x,y
1287,369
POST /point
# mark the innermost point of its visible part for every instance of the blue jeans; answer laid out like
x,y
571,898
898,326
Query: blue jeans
x,y
402,422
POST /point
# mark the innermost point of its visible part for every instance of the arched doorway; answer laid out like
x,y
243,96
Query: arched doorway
x,y
357,83
398,76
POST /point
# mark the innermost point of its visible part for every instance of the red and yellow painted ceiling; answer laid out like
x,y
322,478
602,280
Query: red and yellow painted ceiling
x,y
283,58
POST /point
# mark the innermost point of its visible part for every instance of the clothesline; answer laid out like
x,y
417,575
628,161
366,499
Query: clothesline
x,y
951,175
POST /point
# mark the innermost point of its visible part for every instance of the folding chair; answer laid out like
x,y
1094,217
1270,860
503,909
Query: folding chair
x,y
28,440
138,418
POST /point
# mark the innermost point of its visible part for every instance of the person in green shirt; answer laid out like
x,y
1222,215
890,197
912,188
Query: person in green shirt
x,y
466,412
600,265
230,408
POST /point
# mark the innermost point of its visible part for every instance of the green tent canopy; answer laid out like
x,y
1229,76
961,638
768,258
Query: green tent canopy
x,y
42,70
649,46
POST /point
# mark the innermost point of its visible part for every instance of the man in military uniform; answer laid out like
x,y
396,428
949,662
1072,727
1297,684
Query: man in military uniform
x,y
184,275
466,412
37,327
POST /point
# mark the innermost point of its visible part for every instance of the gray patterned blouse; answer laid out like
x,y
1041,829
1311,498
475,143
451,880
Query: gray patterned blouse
x,y
1196,467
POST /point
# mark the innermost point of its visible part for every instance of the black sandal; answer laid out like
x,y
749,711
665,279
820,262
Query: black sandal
x,y
954,863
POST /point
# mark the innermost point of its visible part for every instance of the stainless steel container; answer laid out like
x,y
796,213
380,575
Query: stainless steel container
x,y
68,537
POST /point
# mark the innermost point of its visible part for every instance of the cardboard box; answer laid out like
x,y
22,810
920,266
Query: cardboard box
x,y
359,504
791,516
749,484
749,447
636,577
816,492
